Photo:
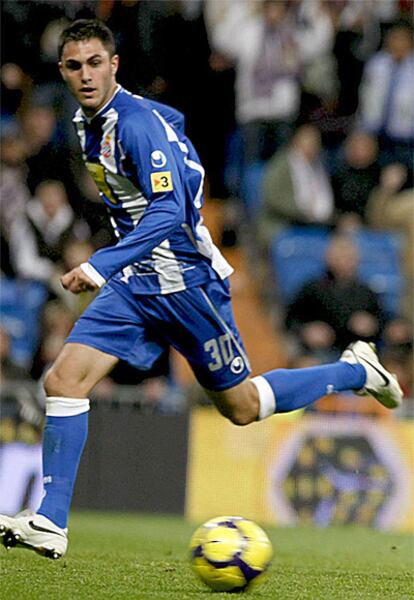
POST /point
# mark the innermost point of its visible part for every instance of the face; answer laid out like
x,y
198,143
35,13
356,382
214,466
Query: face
x,y
308,142
342,258
399,43
274,12
39,123
361,150
52,195
89,72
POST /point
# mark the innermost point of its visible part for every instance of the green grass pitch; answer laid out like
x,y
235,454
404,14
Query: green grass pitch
x,y
145,558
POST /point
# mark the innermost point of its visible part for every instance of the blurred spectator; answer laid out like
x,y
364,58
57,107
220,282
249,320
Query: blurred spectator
x,y
18,398
57,321
358,26
356,174
397,355
21,419
269,50
386,106
181,51
9,370
46,155
134,26
296,187
221,122
15,89
390,208
319,72
13,191
398,335
337,308
37,238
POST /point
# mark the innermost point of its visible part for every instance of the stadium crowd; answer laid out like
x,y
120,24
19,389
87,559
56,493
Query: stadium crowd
x,y
303,114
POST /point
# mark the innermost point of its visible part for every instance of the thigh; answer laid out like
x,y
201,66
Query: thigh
x,y
77,369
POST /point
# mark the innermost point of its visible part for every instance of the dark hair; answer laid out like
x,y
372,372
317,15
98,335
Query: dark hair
x,y
86,29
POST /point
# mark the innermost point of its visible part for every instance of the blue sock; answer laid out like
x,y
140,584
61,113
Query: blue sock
x,y
296,388
63,442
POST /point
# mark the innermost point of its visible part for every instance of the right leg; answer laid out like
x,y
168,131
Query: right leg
x,y
76,371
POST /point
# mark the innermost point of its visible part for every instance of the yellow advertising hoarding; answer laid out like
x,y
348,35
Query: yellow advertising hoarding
x,y
303,468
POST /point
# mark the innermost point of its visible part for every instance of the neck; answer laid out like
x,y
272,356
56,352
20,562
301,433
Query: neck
x,y
91,112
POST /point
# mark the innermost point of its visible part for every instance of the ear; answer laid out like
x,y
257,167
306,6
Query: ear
x,y
60,65
114,64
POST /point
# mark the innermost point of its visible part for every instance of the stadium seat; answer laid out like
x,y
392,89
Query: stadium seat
x,y
297,256
21,304
380,266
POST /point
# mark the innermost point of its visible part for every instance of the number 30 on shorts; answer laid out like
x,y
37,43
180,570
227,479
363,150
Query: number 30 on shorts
x,y
220,351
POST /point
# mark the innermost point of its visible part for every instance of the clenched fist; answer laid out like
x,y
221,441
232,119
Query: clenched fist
x,y
77,281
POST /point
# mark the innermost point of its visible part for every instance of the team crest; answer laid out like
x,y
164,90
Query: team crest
x,y
106,147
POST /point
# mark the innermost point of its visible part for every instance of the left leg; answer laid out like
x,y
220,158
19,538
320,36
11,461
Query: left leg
x,y
199,323
285,390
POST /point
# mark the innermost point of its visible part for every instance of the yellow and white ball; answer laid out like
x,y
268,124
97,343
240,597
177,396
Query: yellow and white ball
x,y
230,553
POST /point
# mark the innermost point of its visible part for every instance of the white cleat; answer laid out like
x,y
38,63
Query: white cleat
x,y
35,532
380,383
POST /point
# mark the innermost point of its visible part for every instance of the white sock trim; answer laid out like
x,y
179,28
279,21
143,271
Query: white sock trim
x,y
266,397
57,406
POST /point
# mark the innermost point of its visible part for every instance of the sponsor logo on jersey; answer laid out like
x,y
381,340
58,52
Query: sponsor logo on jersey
x,y
158,159
161,181
237,365
106,148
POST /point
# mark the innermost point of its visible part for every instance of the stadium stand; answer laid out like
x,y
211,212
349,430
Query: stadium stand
x,y
21,303
297,256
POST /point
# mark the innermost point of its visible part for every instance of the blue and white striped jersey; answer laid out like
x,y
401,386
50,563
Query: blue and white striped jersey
x,y
151,181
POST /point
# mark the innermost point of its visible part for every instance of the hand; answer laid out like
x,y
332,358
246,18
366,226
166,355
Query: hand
x,y
76,281
392,177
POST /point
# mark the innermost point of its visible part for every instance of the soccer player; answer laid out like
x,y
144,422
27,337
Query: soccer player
x,y
163,283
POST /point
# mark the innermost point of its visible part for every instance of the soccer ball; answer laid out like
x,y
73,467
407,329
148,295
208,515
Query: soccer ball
x,y
230,554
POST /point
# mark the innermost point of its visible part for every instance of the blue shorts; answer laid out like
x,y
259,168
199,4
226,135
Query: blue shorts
x,y
198,322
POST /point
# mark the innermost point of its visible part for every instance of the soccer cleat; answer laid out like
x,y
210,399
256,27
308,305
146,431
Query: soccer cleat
x,y
380,383
34,532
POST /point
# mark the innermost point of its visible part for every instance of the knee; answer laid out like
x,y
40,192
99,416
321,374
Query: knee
x,y
239,404
53,383
241,416
240,420
56,383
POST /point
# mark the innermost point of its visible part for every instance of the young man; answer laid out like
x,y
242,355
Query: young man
x,y
164,283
